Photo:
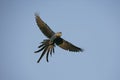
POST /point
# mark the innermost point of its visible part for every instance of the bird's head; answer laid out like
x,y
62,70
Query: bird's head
x,y
58,34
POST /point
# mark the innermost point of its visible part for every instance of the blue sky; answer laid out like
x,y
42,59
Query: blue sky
x,y
93,25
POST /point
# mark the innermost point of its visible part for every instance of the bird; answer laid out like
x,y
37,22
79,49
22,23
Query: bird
x,y
47,45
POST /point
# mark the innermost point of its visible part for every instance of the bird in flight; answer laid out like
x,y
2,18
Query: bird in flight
x,y
47,45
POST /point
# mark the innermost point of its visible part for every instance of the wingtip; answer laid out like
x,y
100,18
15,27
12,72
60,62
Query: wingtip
x,y
36,14
81,50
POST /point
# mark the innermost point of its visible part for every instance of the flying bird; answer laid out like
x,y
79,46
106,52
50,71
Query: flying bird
x,y
47,45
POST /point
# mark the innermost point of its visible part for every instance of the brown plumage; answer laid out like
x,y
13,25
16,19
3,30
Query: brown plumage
x,y
47,46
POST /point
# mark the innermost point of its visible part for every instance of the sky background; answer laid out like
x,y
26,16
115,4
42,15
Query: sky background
x,y
93,25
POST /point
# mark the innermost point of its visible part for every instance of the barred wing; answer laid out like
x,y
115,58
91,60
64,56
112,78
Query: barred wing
x,y
44,27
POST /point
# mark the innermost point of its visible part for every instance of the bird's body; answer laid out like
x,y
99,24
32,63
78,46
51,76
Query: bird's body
x,y
48,45
56,35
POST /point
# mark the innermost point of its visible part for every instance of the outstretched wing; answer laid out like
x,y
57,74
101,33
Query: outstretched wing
x,y
67,45
44,27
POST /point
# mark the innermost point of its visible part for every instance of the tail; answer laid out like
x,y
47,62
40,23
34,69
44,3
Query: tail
x,y
47,49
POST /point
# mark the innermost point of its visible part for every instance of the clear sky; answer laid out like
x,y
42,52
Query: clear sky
x,y
93,25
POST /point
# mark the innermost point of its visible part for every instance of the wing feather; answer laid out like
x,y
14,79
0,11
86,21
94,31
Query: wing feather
x,y
67,45
44,27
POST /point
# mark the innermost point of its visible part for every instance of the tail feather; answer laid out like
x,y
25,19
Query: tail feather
x,y
47,49
40,49
43,53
